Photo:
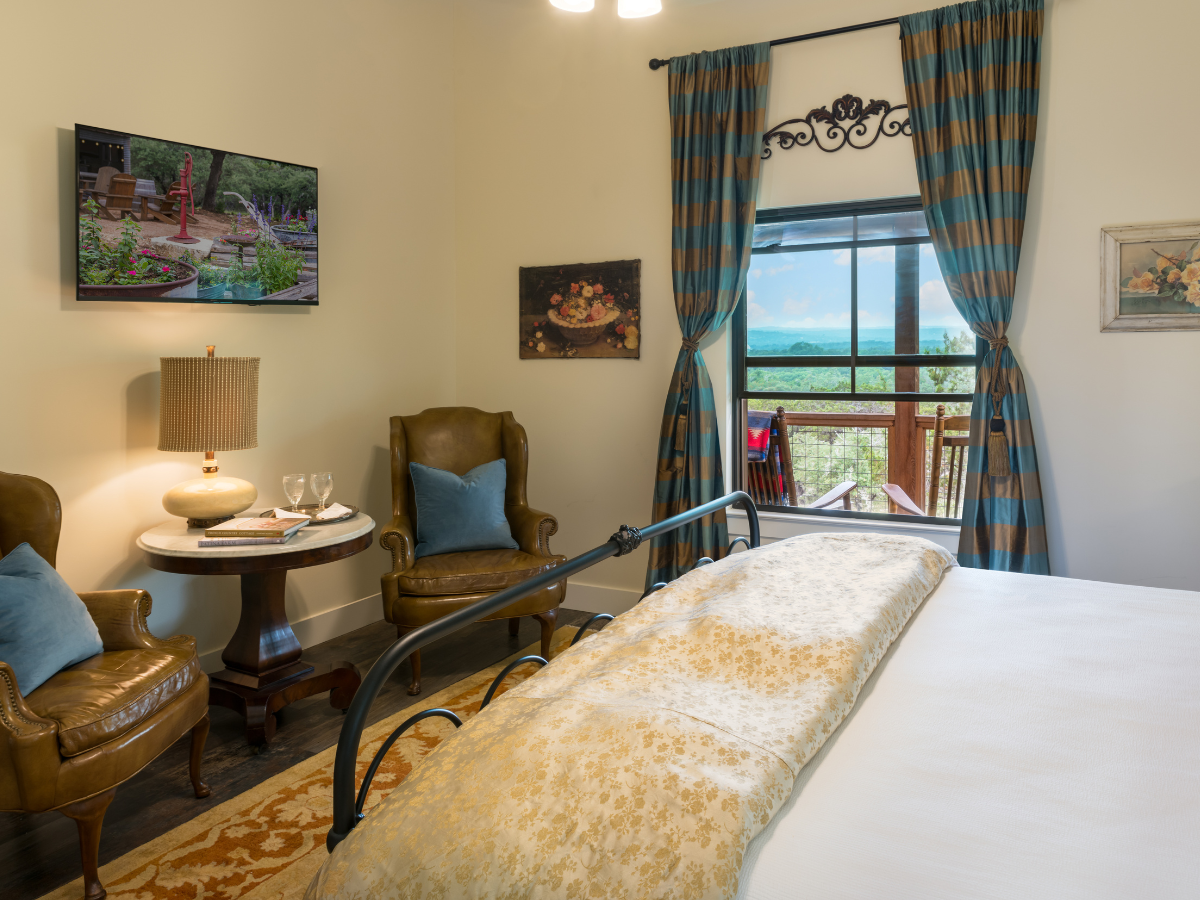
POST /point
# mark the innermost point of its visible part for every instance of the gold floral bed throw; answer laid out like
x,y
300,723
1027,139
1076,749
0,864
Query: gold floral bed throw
x,y
641,762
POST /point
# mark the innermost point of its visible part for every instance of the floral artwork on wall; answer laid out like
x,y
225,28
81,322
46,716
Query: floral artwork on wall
x,y
582,310
1150,278
1162,278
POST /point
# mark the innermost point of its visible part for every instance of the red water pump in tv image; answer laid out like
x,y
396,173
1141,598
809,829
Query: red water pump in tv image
x,y
184,193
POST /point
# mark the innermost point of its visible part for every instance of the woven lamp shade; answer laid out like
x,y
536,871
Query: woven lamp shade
x,y
208,403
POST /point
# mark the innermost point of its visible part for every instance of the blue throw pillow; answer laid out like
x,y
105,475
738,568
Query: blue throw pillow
x,y
44,626
464,513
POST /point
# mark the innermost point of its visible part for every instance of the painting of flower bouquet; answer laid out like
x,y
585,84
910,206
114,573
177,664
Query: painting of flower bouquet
x,y
1151,277
583,310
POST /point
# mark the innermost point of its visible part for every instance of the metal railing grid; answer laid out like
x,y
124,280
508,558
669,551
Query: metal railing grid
x,y
824,456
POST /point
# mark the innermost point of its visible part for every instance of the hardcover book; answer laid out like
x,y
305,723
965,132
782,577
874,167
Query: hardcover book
x,y
242,541
256,528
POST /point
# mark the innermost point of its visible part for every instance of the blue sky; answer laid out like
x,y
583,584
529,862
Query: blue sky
x,y
812,290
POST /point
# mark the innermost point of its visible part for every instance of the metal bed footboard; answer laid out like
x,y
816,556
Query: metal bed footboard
x,y
347,809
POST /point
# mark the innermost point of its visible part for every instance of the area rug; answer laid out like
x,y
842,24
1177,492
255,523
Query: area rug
x,y
267,843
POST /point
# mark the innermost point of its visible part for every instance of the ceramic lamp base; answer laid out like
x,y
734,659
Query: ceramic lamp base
x,y
210,500
207,523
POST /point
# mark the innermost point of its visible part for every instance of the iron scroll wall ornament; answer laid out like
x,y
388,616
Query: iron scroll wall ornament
x,y
849,125
345,815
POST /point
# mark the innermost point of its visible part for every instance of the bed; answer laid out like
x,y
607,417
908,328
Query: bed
x,y
1021,737
1026,736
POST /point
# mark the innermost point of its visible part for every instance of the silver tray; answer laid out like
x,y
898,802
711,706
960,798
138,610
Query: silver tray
x,y
310,509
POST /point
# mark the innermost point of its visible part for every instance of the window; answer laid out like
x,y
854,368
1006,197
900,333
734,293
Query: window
x,y
848,337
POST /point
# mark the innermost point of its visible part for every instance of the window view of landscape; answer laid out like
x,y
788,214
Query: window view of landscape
x,y
813,315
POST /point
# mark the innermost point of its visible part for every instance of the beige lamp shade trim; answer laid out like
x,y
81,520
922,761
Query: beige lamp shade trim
x,y
208,403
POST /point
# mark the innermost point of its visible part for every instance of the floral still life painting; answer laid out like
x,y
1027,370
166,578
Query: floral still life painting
x,y
1151,278
1163,278
582,310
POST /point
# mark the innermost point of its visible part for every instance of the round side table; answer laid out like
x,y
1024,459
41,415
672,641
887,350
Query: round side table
x,y
264,671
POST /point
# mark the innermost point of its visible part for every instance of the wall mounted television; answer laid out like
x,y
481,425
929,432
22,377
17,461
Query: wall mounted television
x,y
163,221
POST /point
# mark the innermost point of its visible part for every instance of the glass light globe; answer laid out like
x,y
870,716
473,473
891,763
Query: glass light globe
x,y
574,5
635,9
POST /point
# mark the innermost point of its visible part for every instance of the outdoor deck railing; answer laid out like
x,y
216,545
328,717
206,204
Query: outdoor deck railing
x,y
828,448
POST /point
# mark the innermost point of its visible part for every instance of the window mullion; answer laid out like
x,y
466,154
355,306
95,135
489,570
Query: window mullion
x,y
854,313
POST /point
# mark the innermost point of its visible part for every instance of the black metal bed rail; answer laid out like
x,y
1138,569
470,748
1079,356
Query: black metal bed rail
x,y
345,814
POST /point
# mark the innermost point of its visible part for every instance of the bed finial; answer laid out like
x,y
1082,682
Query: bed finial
x,y
627,539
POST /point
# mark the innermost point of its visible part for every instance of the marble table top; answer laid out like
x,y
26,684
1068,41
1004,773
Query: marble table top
x,y
174,538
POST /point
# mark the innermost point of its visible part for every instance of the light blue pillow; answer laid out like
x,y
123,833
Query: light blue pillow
x,y
44,626
464,513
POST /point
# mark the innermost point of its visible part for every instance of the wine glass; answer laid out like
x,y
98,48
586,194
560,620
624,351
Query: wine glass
x,y
321,484
293,487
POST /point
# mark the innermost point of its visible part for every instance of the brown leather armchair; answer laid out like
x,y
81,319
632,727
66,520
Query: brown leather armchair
x,y
69,743
418,591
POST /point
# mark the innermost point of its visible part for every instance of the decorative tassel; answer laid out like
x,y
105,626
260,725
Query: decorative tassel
x,y
998,449
681,433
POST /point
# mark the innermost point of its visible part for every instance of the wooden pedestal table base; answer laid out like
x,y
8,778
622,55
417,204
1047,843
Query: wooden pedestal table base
x,y
264,669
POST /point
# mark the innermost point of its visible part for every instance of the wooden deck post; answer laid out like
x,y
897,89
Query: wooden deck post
x,y
905,457
785,457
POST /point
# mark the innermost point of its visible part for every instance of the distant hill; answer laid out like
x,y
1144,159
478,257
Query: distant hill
x,y
836,342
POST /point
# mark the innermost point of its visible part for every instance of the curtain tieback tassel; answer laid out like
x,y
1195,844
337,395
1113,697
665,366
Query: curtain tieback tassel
x,y
998,449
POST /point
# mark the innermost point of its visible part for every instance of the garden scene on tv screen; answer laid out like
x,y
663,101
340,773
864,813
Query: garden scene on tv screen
x,y
165,221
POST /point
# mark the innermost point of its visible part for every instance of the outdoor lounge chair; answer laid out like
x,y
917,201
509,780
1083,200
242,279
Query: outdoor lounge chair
x,y
955,447
99,189
167,209
118,201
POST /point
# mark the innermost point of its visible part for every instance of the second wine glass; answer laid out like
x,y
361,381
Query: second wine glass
x,y
322,485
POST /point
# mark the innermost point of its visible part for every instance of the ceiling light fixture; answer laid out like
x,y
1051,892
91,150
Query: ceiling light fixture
x,y
635,9
574,5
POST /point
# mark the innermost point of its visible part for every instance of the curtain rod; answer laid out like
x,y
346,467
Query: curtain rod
x,y
660,63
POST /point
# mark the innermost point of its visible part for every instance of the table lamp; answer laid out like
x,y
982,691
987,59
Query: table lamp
x,y
208,404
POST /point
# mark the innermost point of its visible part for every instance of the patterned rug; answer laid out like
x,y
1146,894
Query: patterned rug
x,y
267,843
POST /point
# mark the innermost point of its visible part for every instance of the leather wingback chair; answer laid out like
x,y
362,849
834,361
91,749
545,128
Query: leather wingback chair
x,y
69,743
418,591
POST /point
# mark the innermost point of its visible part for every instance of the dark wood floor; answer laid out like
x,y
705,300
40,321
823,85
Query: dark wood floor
x,y
41,852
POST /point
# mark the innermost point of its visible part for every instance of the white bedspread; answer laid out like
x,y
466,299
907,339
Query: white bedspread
x,y
1026,737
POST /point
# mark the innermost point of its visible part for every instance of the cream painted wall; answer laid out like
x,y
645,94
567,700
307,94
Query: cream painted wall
x,y
459,142
562,155
1114,416
80,379
810,74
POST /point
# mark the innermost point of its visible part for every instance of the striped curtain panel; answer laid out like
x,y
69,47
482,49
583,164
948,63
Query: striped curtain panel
x,y
971,80
718,104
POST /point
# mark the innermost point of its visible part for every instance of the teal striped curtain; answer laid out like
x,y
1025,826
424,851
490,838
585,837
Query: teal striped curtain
x,y
718,104
971,78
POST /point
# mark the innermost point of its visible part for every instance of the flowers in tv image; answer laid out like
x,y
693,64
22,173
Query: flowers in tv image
x,y
583,310
159,220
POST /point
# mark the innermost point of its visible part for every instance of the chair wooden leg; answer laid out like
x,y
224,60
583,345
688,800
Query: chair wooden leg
x,y
89,818
514,627
199,736
547,621
415,687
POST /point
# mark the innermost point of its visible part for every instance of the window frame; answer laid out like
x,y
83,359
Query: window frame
x,y
740,360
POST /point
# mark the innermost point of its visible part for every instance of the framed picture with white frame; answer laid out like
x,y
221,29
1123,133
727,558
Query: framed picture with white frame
x,y
1150,277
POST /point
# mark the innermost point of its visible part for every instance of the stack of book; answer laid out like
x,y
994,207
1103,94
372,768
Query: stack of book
x,y
252,531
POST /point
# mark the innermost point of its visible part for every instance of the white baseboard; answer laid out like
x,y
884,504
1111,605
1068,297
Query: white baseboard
x,y
318,628
334,622
599,599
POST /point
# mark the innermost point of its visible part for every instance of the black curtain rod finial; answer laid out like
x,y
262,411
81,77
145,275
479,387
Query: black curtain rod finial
x,y
656,64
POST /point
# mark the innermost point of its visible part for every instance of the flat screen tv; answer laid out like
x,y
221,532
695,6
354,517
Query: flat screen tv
x,y
178,223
